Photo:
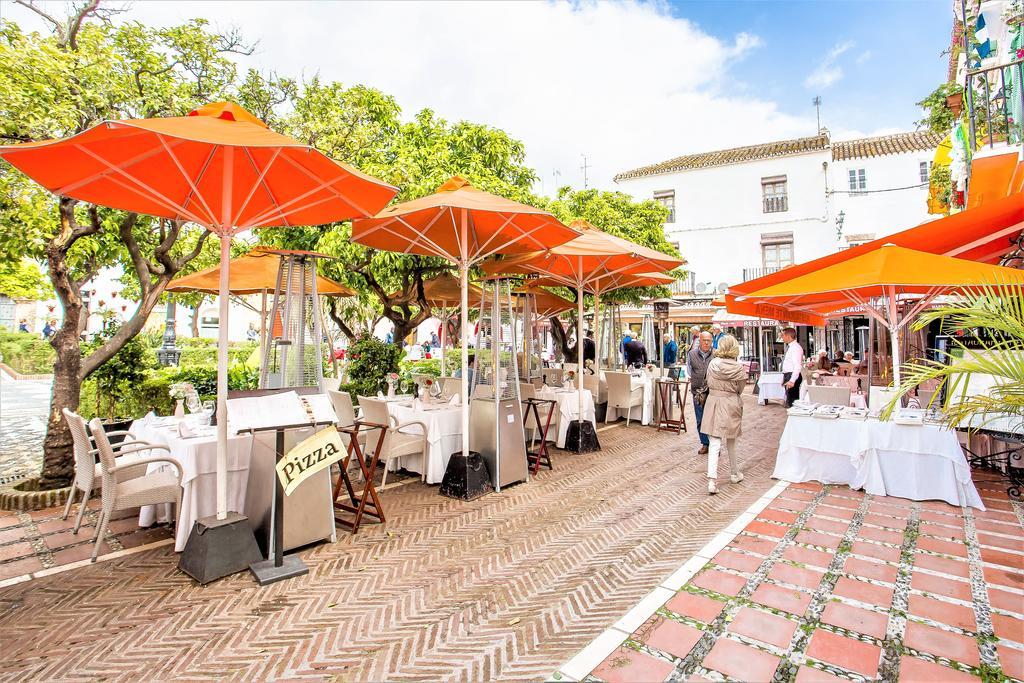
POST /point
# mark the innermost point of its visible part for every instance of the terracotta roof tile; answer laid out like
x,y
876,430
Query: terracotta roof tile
x,y
885,144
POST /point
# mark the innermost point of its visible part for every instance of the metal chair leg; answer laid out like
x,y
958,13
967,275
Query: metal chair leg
x,y
100,530
71,497
81,512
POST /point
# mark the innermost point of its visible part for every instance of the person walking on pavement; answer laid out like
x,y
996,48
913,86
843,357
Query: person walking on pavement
x,y
723,411
694,338
697,361
792,364
670,353
716,335
636,353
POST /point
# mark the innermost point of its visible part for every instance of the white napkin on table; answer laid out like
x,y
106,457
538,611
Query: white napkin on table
x,y
454,400
184,430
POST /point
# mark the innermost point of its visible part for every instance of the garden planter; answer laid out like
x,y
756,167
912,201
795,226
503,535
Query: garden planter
x,y
955,103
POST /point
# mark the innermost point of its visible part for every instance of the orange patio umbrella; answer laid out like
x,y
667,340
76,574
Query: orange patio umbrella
x,y
583,263
876,280
254,273
219,167
464,225
545,303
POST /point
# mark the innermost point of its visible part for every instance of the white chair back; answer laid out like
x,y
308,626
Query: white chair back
x,y
375,410
450,386
553,377
833,396
619,388
329,384
106,451
85,464
879,397
341,401
527,390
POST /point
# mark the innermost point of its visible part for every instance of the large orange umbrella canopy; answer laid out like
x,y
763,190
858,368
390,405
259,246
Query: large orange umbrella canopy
x,y
220,167
253,273
442,291
545,303
434,225
611,282
593,255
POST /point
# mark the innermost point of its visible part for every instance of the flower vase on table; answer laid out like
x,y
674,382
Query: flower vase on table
x,y
392,381
179,409
180,391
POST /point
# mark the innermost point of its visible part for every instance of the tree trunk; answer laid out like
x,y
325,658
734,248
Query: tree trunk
x,y
402,329
57,461
194,323
562,338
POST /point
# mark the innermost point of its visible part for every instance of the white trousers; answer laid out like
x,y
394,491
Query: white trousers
x,y
714,449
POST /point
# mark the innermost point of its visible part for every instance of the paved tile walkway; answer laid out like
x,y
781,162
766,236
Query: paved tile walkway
x,y
828,584
23,409
503,587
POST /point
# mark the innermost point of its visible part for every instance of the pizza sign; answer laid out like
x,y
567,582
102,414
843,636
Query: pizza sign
x,y
318,452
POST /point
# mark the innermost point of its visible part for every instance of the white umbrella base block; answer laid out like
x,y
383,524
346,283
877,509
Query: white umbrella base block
x,y
267,572
466,477
581,437
219,547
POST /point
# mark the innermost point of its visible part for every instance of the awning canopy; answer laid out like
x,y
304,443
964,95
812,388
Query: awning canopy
x,y
253,273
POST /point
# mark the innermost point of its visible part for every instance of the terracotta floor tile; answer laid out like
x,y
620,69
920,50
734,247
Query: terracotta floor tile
x,y
794,494
809,556
997,516
999,577
879,552
9,519
626,665
997,527
807,674
941,585
882,535
939,518
764,626
673,637
1011,661
720,582
819,539
76,553
841,502
946,565
1006,600
695,606
1002,558
738,561
935,545
48,513
943,612
845,652
27,565
785,599
739,661
1002,542
65,538
761,546
766,529
11,534
778,515
871,569
855,619
57,524
886,521
791,506
940,506
118,526
864,592
798,576
897,507
835,512
144,536
15,550
914,670
954,646
829,526
1008,628
946,533
812,486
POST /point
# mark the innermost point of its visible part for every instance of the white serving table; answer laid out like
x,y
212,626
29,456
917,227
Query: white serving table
x,y
646,410
568,410
769,387
918,462
444,435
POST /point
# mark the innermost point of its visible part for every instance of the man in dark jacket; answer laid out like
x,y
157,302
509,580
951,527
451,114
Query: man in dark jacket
x,y
670,353
589,348
697,361
635,353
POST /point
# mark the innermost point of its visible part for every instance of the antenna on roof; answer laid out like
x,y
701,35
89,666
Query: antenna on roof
x,y
584,168
817,110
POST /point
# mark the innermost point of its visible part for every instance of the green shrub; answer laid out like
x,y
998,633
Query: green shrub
x,y
27,354
117,378
370,361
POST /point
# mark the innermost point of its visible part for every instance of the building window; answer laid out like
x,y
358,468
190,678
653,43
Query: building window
x,y
858,181
925,171
773,194
776,250
667,198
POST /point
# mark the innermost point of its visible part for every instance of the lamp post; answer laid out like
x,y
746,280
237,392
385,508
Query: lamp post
x,y
168,354
840,219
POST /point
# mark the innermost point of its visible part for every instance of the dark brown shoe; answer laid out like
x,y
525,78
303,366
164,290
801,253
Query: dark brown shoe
x,y
703,450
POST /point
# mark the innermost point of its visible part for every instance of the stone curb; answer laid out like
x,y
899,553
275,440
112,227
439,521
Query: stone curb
x,y
16,376
25,501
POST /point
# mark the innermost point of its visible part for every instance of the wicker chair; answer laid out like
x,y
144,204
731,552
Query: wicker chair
x,y
87,470
123,494
622,395
396,443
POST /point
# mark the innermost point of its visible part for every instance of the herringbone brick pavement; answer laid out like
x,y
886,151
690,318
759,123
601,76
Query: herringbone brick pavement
x,y
505,587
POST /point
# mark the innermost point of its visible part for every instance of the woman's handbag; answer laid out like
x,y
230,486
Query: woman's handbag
x,y
701,395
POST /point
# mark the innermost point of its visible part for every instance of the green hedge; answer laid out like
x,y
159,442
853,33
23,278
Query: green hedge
x,y
27,353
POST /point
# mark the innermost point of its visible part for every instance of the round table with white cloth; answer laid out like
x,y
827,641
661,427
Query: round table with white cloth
x,y
918,462
769,387
444,435
568,410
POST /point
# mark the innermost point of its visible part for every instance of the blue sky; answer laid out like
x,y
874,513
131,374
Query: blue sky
x,y
890,54
627,83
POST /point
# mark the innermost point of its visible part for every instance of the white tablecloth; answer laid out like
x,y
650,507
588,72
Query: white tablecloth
x,y
198,458
444,437
646,410
568,410
923,462
769,387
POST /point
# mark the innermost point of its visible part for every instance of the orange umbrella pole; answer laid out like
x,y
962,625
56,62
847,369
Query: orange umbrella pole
x,y
464,295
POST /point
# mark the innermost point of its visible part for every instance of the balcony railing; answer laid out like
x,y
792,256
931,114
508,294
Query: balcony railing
x,y
995,103
684,286
754,273
776,204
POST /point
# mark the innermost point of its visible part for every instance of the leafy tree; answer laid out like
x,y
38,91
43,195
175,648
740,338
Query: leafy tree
x,y
84,71
938,117
24,280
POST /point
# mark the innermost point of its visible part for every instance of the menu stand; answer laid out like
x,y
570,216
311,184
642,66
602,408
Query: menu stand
x,y
669,389
278,566
367,503
534,458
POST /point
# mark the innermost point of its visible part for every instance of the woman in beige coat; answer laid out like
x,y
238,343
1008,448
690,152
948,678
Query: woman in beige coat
x,y
723,410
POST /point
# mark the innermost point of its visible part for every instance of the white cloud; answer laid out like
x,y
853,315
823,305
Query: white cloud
x,y
625,83
864,56
828,72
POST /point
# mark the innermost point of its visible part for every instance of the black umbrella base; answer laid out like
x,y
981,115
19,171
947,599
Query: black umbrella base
x,y
466,477
581,437
219,547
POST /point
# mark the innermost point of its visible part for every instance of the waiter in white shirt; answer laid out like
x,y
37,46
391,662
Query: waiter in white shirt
x,y
792,364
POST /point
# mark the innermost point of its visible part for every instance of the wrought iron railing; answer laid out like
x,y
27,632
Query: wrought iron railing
x,y
776,204
995,103
754,273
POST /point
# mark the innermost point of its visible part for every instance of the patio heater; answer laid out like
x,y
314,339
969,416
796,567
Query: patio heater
x,y
611,330
661,315
496,421
647,335
295,352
